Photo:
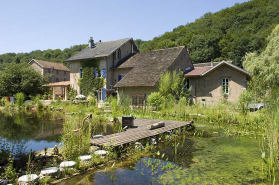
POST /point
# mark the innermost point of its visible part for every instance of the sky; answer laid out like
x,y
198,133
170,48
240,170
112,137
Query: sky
x,y
27,25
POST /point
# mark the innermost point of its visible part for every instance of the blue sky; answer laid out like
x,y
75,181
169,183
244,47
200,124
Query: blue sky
x,y
27,25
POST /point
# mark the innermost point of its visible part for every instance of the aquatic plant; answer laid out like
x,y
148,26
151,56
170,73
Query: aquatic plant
x,y
10,172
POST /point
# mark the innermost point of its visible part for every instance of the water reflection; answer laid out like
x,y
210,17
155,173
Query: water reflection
x,y
22,131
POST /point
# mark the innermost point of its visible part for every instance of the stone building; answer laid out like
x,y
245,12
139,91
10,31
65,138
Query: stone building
x,y
57,72
108,55
139,75
211,82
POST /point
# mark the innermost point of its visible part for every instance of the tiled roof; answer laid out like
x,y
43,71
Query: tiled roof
x,y
201,71
63,83
148,67
101,49
208,64
46,64
197,71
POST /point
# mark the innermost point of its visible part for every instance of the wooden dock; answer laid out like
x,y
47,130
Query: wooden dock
x,y
138,132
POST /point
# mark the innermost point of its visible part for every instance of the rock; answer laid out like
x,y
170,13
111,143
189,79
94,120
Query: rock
x,y
101,152
153,141
67,165
85,158
51,171
138,145
92,149
28,179
4,182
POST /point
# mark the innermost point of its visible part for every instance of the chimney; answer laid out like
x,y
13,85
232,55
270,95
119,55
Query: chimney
x,y
100,41
211,63
91,42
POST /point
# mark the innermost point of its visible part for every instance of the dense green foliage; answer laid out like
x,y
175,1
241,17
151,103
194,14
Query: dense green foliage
x,y
265,66
19,99
15,78
89,83
56,55
171,87
227,34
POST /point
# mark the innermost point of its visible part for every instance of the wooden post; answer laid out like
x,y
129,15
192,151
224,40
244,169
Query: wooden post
x,y
66,93
53,93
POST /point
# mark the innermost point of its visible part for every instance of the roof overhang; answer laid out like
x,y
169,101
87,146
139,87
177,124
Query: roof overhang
x,y
58,84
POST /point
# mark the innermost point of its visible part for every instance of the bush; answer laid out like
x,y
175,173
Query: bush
x,y
156,100
4,102
92,100
244,99
72,94
20,97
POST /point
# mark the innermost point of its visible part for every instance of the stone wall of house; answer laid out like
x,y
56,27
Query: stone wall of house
x,y
36,67
209,87
137,91
57,77
181,62
117,72
105,63
113,60
74,75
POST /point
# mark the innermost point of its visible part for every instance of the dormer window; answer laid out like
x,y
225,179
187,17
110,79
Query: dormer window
x,y
119,54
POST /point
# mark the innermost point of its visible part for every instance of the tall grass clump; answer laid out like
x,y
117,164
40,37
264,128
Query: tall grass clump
x,y
20,97
272,135
76,138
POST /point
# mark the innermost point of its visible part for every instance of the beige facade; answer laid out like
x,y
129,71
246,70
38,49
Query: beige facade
x,y
54,74
137,95
108,63
209,88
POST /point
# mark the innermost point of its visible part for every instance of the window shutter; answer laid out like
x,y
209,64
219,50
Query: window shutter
x,y
104,73
104,94
96,73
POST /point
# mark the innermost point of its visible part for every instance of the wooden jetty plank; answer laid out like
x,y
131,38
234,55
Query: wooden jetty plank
x,y
138,133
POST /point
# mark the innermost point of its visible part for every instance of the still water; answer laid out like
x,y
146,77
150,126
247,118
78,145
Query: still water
x,y
22,131
207,157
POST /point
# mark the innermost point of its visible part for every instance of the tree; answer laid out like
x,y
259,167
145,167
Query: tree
x,y
16,78
265,66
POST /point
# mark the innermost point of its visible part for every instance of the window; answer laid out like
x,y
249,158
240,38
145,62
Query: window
x,y
187,83
120,77
225,86
57,72
119,54
80,73
57,80
138,99
81,91
103,73
64,79
48,71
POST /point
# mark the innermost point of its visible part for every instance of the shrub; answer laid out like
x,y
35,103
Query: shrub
x,y
20,97
156,100
244,99
92,100
72,94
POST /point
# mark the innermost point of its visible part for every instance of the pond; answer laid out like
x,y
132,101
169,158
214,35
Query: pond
x,y
25,130
207,157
